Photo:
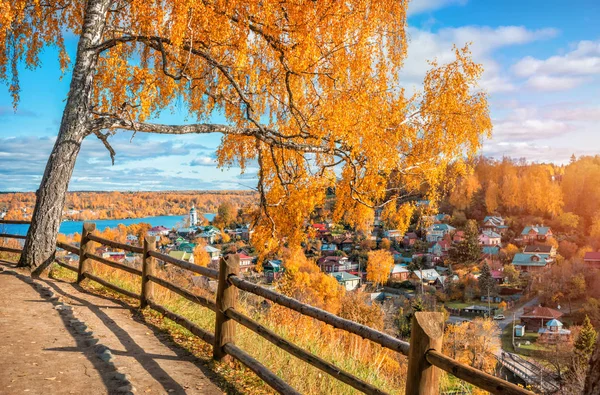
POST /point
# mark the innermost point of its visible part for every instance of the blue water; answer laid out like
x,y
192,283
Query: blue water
x,y
70,227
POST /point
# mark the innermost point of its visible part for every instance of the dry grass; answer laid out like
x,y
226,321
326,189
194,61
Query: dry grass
x,y
365,360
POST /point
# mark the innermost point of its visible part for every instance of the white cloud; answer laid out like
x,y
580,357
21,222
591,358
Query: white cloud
x,y
562,72
552,83
583,60
421,6
426,45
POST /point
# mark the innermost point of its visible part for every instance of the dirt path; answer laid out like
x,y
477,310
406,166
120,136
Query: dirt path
x,y
55,339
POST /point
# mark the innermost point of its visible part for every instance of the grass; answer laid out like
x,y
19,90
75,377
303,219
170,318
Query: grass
x,y
524,349
365,360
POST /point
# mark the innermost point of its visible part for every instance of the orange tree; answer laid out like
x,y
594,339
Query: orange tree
x,y
379,266
310,91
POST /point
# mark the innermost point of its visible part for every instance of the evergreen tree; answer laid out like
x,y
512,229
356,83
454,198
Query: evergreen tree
x,y
467,251
487,284
584,344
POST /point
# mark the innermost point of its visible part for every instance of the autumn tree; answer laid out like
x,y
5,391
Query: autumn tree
x,y
379,266
201,257
303,87
491,197
585,341
474,343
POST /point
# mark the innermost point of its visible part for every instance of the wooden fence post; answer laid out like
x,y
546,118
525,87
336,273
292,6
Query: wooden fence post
x,y
226,298
427,333
85,247
148,267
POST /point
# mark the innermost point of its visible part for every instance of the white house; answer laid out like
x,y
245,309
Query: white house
x,y
489,238
347,280
437,232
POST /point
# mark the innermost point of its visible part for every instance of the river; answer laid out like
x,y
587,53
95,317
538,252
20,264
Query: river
x,y
70,227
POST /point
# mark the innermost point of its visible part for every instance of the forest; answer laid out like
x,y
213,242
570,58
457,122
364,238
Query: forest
x,y
564,197
119,205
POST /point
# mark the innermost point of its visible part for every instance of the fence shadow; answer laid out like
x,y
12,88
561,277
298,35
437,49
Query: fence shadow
x,y
149,361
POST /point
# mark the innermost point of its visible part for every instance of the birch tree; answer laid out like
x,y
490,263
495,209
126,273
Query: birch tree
x,y
310,92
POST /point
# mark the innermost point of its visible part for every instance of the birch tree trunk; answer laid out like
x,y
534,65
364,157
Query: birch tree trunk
x,y
40,244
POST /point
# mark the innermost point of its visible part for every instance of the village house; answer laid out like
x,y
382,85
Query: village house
x,y
592,259
540,249
393,234
494,224
536,317
553,333
498,276
187,247
439,249
346,244
210,234
246,263
409,239
182,256
531,262
273,270
187,233
490,238
131,239
347,280
437,232
427,276
399,273
333,264
214,253
533,233
478,311
328,249
458,236
158,231
492,251
114,255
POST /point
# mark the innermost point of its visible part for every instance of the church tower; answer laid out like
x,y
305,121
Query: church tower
x,y
193,216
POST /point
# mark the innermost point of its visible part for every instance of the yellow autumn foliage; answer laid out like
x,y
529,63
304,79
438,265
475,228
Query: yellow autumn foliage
x,y
311,93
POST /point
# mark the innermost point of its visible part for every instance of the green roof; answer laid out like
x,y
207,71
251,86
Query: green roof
x,y
521,259
343,277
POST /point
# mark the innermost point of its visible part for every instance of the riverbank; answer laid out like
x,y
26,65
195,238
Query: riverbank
x,y
71,227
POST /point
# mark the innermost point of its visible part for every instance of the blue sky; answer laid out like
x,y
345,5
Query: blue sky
x,y
542,72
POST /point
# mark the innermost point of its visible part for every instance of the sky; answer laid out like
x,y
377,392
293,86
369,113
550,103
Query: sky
x,y
542,74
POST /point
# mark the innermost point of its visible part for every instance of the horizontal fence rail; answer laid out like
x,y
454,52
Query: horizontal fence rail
x,y
68,247
363,331
201,300
300,353
425,360
9,236
115,288
474,376
114,264
14,222
204,271
65,265
10,249
114,244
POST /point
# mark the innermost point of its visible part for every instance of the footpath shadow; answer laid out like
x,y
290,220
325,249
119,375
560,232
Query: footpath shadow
x,y
85,344
147,360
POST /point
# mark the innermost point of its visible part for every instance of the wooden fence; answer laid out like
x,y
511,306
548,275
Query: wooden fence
x,y
425,359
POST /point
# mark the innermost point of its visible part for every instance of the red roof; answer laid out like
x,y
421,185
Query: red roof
x,y
244,256
497,274
542,312
592,256
322,227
